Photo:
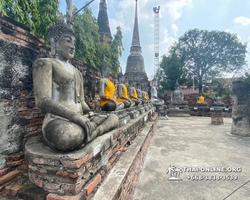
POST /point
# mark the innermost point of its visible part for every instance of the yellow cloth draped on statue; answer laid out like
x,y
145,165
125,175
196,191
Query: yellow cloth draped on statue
x,y
201,99
146,95
134,95
108,92
124,94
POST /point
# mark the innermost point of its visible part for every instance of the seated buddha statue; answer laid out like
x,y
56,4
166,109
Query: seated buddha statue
x,y
177,95
108,102
145,96
132,94
122,92
154,97
140,93
217,101
201,102
58,86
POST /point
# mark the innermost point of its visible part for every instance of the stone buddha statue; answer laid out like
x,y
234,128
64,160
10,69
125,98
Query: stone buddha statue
x,y
58,88
154,99
132,94
145,96
177,95
140,94
217,101
108,102
122,92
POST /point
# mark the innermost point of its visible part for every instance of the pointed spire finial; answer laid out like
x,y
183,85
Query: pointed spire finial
x,y
136,47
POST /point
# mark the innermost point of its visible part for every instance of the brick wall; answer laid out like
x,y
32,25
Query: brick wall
x,y
19,117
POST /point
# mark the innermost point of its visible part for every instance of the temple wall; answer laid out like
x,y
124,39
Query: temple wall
x,y
19,117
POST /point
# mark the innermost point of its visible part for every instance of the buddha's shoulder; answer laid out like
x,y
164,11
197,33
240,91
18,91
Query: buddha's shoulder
x,y
43,62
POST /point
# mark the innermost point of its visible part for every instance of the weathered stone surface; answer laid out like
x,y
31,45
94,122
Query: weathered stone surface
x,y
240,109
217,116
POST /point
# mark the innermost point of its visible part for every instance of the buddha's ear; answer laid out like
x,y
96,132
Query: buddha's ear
x,y
53,46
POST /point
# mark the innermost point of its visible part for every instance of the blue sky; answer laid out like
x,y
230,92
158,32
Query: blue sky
x,y
176,17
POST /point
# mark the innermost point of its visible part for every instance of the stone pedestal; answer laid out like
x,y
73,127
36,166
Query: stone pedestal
x,y
146,106
73,173
133,112
141,109
124,116
162,112
201,105
178,110
216,115
240,109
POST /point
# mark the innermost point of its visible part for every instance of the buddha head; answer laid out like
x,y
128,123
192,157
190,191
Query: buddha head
x,y
138,86
62,40
105,71
121,78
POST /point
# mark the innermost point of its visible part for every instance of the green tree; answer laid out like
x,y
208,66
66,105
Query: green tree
x,y
221,86
87,37
39,15
89,48
116,49
208,53
173,70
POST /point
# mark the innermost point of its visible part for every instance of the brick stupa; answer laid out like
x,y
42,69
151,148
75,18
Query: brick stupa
x,y
103,22
135,69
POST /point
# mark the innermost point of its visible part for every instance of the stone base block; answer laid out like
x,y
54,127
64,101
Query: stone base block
x,y
141,109
217,117
80,171
133,112
178,111
124,120
241,126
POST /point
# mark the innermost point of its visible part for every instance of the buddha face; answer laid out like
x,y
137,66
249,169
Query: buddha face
x,y
105,71
122,79
66,46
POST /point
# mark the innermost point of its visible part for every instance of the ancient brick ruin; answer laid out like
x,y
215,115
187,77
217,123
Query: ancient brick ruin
x,y
76,177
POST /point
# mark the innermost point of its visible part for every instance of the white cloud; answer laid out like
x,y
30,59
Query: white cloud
x,y
114,23
243,21
174,29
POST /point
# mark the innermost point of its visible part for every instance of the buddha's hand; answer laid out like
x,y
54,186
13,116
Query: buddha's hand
x,y
91,115
112,100
82,121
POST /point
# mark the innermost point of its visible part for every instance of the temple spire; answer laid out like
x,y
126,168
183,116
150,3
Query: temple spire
x,y
135,69
136,47
103,21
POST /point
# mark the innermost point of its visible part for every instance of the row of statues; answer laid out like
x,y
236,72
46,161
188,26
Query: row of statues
x,y
177,98
126,95
59,93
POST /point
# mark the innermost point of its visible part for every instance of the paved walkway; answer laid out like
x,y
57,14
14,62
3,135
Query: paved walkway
x,y
193,144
